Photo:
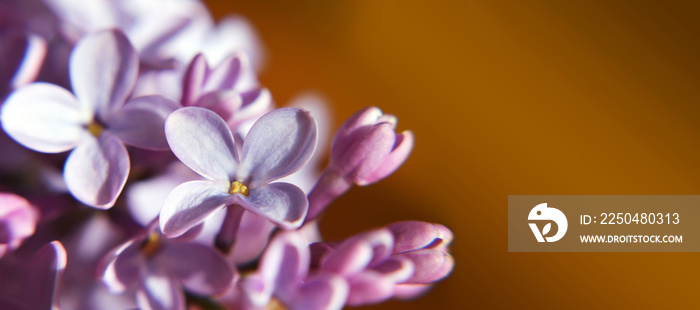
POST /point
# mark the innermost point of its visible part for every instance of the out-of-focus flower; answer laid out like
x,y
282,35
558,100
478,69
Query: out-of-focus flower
x,y
229,89
161,30
156,269
400,260
36,281
283,278
87,244
279,144
426,245
22,55
95,122
233,33
18,221
365,150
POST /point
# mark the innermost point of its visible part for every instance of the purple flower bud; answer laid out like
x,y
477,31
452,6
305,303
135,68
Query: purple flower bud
x,y
401,260
365,150
283,278
414,235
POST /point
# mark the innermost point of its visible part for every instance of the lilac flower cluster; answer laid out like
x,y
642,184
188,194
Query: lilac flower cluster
x,y
144,166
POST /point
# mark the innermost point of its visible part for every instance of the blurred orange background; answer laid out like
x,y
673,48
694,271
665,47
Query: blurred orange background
x,y
534,97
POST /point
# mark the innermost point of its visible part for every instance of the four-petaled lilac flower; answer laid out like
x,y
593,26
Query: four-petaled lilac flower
x,y
283,277
365,150
18,221
157,268
95,122
277,145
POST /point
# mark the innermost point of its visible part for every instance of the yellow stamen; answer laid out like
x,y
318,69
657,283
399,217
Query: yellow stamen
x,y
151,245
275,304
238,188
95,129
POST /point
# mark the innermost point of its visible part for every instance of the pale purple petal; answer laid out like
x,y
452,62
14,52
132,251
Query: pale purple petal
x,y
167,33
151,35
45,118
225,75
349,258
44,278
430,265
141,122
322,292
365,117
399,269
119,268
252,238
286,263
413,235
160,293
165,83
144,198
203,142
225,103
201,269
103,70
82,16
282,203
399,154
23,55
279,144
195,75
255,103
190,203
282,268
369,287
363,151
95,172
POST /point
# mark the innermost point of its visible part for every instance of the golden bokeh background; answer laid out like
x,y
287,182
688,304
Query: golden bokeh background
x,y
533,97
